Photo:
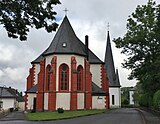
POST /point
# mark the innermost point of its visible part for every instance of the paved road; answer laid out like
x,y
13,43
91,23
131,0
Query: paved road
x,y
118,116
17,115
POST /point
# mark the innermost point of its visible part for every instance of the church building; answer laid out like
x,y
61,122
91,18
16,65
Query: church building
x,y
69,75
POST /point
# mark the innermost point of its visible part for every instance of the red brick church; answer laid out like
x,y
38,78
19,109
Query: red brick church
x,y
67,75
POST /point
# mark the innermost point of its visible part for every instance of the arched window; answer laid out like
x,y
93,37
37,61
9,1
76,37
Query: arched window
x,y
80,78
48,77
64,77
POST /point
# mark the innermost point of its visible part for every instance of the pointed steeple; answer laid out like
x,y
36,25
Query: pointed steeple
x,y
117,78
109,63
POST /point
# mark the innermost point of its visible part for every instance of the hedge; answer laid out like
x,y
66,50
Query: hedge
x,y
156,100
145,100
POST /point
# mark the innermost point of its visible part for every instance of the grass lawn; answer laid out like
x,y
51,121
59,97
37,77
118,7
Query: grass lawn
x,y
42,116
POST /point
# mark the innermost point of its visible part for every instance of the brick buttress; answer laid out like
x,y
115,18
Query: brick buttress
x,y
52,89
88,86
73,100
40,93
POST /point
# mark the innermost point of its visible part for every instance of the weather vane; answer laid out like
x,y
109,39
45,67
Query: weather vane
x,y
66,10
108,26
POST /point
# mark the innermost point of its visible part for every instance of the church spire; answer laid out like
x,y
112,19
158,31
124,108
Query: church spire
x,y
117,78
109,63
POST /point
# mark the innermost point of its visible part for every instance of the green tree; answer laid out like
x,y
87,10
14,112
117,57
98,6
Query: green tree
x,y
125,95
141,44
156,100
137,93
17,16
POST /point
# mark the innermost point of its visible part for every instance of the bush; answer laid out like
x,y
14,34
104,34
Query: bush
x,y
11,109
33,110
16,109
145,100
125,102
156,100
60,110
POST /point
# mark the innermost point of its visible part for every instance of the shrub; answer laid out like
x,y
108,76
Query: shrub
x,y
156,100
145,100
16,109
60,110
11,109
125,102
33,110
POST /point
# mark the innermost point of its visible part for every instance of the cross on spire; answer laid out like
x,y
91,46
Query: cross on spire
x,y
66,10
108,26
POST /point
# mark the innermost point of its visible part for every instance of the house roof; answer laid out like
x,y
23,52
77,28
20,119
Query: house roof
x,y
66,42
10,93
109,65
4,93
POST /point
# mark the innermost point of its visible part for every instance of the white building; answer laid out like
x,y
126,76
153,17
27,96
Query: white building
x,y
131,93
9,98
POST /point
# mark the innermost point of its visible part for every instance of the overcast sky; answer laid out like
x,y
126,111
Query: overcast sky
x,y
89,17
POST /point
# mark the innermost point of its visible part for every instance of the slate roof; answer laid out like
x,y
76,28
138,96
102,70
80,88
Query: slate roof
x,y
66,42
33,89
109,65
97,91
65,34
117,79
4,93
10,93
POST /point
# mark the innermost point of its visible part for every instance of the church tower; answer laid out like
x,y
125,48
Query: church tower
x,y
114,83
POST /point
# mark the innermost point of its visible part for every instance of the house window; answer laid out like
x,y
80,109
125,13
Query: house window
x,y
48,77
113,100
80,78
64,77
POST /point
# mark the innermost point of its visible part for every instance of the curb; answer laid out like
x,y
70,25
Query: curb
x,y
142,116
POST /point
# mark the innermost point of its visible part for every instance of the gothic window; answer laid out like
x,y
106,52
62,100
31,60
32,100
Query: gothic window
x,y
80,78
64,77
48,77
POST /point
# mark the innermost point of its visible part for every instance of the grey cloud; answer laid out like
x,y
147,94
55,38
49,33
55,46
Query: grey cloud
x,y
87,17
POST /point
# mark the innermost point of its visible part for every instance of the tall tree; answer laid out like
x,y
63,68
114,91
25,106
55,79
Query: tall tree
x,y
141,44
18,15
